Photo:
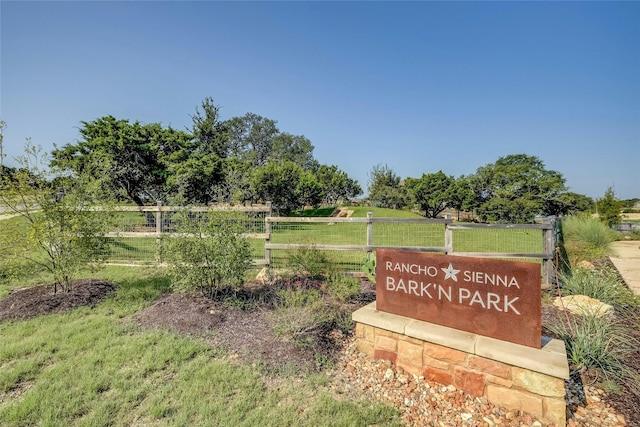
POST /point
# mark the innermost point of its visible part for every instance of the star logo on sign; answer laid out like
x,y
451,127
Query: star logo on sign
x,y
450,273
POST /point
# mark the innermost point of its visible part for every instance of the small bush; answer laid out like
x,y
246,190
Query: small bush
x,y
309,261
342,287
301,315
207,252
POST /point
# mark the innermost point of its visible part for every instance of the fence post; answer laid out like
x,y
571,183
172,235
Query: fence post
x,y
159,232
267,231
448,234
369,234
548,249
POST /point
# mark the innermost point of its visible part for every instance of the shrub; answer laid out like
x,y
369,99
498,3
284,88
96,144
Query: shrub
x,y
301,315
207,252
609,208
60,230
310,261
342,287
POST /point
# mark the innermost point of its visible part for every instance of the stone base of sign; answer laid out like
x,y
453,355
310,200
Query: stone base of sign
x,y
507,374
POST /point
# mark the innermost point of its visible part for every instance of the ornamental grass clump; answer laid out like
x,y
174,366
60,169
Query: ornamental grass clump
x,y
601,343
602,284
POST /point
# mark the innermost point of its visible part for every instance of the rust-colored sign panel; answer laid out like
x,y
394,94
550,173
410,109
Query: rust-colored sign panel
x,y
495,298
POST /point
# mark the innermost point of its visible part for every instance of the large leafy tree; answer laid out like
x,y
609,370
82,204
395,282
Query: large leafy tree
x,y
385,188
515,188
293,148
198,179
461,196
568,203
431,193
251,138
278,183
308,190
130,159
336,185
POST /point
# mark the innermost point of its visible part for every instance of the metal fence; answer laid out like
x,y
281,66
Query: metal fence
x,y
137,237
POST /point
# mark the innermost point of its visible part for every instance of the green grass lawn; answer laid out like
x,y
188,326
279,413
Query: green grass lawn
x,y
95,366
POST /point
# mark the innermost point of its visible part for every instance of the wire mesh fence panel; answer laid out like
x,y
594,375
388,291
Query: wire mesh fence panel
x,y
133,250
329,233
136,235
127,222
501,240
345,260
408,234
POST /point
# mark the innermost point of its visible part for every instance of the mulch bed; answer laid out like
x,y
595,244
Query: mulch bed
x,y
246,335
36,300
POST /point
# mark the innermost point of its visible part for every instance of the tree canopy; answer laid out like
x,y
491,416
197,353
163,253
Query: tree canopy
x,y
248,159
214,161
515,188
432,192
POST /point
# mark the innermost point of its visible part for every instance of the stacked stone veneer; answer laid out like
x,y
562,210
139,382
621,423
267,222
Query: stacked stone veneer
x,y
507,374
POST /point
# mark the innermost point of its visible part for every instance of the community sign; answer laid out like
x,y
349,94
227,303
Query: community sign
x,y
494,298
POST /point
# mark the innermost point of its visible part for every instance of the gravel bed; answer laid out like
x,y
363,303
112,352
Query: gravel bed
x,y
426,403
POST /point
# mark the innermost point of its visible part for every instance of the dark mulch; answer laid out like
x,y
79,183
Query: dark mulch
x,y
245,334
36,300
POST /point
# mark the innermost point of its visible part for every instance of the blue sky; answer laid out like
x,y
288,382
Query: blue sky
x,y
418,86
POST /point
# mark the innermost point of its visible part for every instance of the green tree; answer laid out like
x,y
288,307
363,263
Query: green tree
x,y
130,159
385,188
237,185
431,193
210,135
515,188
208,253
198,179
609,208
251,138
461,196
278,183
293,148
64,233
336,185
308,190
568,203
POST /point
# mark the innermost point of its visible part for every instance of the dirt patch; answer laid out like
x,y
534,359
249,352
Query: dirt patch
x,y
36,300
246,335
